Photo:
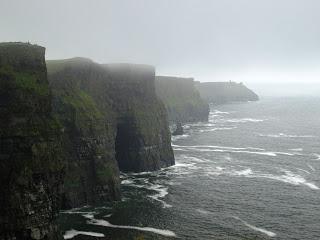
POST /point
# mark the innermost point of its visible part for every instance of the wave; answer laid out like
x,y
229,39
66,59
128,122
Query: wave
x,y
244,120
262,230
162,191
312,168
205,212
303,170
104,223
290,178
212,148
127,182
287,177
217,129
317,156
222,147
245,172
174,138
296,149
219,112
283,135
72,233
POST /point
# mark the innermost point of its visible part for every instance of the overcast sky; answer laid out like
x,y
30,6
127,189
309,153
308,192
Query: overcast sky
x,y
258,42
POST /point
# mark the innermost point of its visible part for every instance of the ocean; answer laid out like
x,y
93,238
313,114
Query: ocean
x,y
251,172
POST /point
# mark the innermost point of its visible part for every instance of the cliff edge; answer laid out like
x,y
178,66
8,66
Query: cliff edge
x,y
224,92
182,99
31,156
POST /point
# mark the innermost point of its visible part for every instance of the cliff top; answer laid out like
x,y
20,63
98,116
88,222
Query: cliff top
x,y
59,64
21,55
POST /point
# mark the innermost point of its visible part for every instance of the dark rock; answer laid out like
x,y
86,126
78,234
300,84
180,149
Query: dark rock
x,y
112,118
80,103
143,140
31,156
182,99
178,130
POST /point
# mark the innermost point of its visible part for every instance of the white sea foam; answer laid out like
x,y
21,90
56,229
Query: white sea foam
x,y
264,231
245,172
76,212
228,149
290,178
127,182
303,170
217,129
162,191
204,212
283,135
174,138
244,120
219,112
101,222
312,168
72,233
296,149
219,147
317,156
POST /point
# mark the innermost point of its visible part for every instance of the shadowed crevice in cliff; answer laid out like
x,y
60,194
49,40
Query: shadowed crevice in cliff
x,y
125,140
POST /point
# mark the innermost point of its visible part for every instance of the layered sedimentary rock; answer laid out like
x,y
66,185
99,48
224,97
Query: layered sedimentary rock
x,y
112,118
81,105
182,99
31,157
143,140
224,92
68,142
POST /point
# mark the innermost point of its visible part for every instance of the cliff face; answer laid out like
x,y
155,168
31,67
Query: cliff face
x,y
112,118
143,140
182,99
31,157
224,92
92,174
70,141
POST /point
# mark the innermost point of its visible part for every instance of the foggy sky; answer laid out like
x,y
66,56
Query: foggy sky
x,y
258,42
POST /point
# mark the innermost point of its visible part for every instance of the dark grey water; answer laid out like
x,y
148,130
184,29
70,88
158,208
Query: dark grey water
x,y
251,172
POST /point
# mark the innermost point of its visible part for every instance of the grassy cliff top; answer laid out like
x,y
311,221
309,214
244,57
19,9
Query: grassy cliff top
x,y
22,56
54,66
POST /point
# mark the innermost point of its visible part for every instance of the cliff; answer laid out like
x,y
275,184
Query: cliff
x,y
68,141
182,99
31,157
224,92
112,119
143,141
79,102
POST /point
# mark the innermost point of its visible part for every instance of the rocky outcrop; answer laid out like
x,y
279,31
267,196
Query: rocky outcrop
x,y
178,130
31,157
182,99
224,92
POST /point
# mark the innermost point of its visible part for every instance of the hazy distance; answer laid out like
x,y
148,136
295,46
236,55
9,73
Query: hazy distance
x,y
272,46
